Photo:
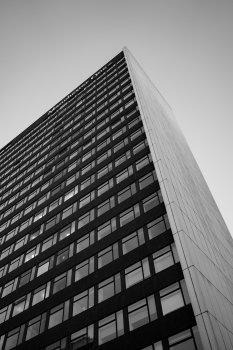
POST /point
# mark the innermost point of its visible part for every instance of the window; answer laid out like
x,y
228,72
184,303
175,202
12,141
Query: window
x,y
86,199
43,267
137,272
88,167
20,243
54,204
39,294
24,225
122,158
156,346
142,312
55,190
120,145
102,133
164,258
107,228
11,234
111,327
103,144
171,298
61,281
87,182
28,209
86,145
105,206
136,134
58,314
147,180
126,193
129,215
118,133
25,278
66,231
158,226
8,288
47,243
109,287
152,201
13,338
105,187
51,222
82,337
108,255
36,326
40,214
31,254
133,122
4,314
15,218
63,255
181,341
6,252
117,122
83,301
133,241
104,156
84,269
19,306
141,163
42,199
85,241
68,211
3,226
105,170
85,219
70,179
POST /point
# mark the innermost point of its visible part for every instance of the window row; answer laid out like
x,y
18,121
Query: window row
x,y
81,130
76,111
52,169
79,161
122,219
120,197
51,121
82,159
124,174
110,327
188,339
84,184
158,261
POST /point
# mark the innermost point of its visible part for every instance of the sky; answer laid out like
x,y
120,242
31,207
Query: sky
x,y
49,47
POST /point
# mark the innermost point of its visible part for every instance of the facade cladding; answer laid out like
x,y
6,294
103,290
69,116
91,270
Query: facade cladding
x,y
110,238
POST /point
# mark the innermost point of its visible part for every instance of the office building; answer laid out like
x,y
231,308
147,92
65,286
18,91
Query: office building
x,y
110,238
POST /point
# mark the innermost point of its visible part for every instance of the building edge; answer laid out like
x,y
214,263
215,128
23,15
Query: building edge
x,y
200,233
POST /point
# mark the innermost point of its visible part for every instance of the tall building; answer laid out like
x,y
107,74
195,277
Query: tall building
x,y
110,237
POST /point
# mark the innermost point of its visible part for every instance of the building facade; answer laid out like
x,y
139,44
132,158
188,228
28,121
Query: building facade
x,y
109,235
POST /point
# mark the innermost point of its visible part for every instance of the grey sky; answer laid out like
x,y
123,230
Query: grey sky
x,y
48,47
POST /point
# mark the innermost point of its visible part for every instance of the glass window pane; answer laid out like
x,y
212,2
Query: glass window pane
x,y
39,295
138,318
59,283
163,261
133,277
43,268
106,290
187,344
107,332
172,302
56,317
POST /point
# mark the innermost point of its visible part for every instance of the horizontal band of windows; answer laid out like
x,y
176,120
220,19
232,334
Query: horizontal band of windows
x,y
73,261
100,174
40,161
124,217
